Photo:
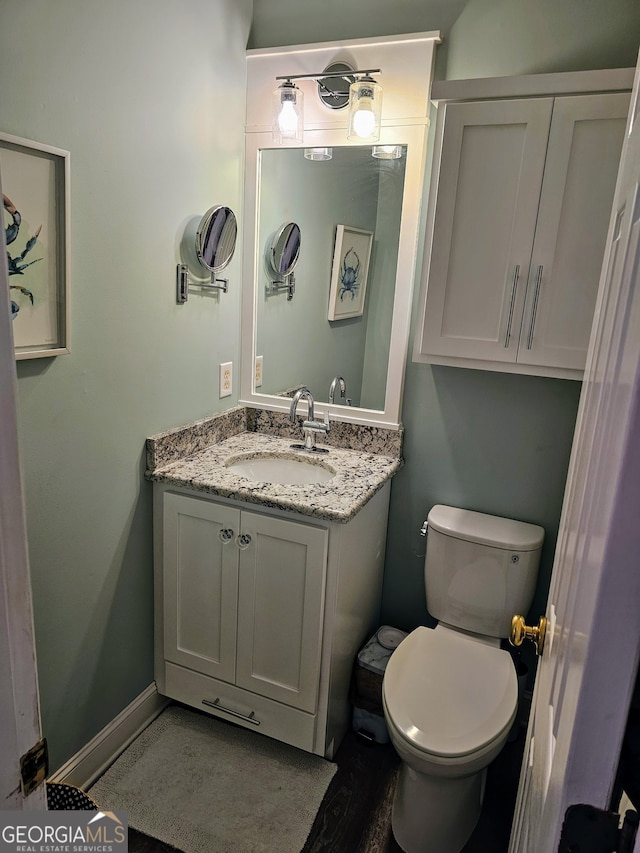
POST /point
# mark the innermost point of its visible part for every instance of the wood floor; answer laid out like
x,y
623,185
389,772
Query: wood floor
x,y
355,815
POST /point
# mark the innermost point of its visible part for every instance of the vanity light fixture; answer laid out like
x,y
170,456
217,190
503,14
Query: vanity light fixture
x,y
387,152
365,110
288,112
339,86
318,153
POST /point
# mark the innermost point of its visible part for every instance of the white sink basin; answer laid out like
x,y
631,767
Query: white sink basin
x,y
280,469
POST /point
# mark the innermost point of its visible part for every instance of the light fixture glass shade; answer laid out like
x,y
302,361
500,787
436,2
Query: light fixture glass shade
x,y
318,153
387,152
365,110
288,113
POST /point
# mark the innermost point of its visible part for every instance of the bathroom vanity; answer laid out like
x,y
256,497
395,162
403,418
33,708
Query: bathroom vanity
x,y
264,591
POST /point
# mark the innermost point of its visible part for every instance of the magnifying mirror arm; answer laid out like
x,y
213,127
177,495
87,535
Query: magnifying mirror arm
x,y
288,283
184,282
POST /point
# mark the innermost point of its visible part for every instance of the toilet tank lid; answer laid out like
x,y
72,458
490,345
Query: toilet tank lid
x,y
486,529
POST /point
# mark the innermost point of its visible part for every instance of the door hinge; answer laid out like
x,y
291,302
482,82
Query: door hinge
x,y
587,829
34,767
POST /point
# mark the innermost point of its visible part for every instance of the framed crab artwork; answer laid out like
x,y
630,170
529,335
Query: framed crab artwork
x,y
349,272
35,205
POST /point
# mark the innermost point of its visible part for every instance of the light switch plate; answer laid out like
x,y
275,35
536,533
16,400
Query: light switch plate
x,y
226,379
258,372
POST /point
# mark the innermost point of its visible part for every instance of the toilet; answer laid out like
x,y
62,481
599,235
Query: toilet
x,y
450,693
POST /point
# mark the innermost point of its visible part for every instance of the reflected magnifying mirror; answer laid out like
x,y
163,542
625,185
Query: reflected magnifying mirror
x,y
283,253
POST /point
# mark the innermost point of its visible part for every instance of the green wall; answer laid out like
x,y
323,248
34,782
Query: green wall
x,y
148,96
492,38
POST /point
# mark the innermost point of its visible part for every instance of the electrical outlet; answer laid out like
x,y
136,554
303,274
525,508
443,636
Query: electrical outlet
x,y
258,372
226,379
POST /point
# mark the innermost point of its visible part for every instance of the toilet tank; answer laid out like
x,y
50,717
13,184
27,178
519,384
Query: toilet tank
x,y
480,569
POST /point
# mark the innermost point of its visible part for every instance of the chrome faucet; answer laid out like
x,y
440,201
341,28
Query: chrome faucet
x,y
338,381
310,427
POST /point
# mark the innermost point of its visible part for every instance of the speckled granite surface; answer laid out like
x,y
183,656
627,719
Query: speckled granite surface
x,y
194,457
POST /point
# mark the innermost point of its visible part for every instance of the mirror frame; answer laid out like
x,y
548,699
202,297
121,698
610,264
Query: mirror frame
x,y
414,137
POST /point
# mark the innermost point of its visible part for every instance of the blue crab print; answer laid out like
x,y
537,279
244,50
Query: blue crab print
x,y
349,275
15,264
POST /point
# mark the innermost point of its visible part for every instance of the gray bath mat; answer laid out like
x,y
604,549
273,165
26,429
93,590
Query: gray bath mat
x,y
208,787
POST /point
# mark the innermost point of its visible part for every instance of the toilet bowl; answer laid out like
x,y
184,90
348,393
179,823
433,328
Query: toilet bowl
x,y
449,700
450,693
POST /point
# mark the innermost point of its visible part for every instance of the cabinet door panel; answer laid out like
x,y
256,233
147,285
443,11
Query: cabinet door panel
x,y
200,585
585,142
280,610
491,167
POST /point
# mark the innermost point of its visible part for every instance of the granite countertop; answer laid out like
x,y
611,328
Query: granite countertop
x,y
358,475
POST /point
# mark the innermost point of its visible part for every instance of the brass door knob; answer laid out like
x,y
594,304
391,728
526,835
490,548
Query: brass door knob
x,y
535,633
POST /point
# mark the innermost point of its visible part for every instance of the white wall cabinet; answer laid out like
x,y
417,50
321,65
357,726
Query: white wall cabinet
x,y
520,203
259,614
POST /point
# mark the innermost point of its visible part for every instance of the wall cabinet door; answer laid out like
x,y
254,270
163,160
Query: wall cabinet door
x,y
520,215
200,585
488,186
585,141
244,598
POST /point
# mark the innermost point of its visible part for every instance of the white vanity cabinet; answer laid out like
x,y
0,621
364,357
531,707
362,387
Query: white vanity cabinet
x,y
260,613
520,203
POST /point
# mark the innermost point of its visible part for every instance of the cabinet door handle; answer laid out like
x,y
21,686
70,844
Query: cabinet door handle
x,y
225,535
249,718
534,310
514,287
243,541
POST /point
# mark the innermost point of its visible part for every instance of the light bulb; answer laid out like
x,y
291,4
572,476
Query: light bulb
x,y
288,120
364,121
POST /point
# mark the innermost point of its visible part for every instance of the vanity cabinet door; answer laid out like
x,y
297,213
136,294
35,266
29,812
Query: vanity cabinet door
x,y
486,201
200,582
580,174
281,609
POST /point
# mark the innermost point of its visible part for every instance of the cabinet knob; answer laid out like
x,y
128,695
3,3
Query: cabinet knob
x,y
225,535
243,540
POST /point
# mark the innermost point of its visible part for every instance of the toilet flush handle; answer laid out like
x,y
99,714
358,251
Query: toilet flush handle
x,y
535,633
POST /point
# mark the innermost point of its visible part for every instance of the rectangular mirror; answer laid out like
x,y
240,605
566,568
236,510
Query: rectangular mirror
x,y
299,345
297,342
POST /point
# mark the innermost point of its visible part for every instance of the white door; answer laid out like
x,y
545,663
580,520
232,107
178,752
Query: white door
x,y
200,565
489,179
585,141
281,609
588,667
19,704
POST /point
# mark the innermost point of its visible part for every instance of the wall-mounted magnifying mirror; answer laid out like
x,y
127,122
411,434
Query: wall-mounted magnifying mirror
x,y
214,243
282,254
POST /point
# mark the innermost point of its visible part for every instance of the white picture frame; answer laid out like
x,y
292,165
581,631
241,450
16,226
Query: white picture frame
x,y
349,272
35,188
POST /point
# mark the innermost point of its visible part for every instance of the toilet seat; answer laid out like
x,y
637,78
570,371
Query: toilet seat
x,y
448,694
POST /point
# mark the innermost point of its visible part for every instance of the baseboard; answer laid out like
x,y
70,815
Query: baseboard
x,y
82,769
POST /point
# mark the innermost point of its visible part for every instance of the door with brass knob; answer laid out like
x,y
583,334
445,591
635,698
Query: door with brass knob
x,y
520,632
